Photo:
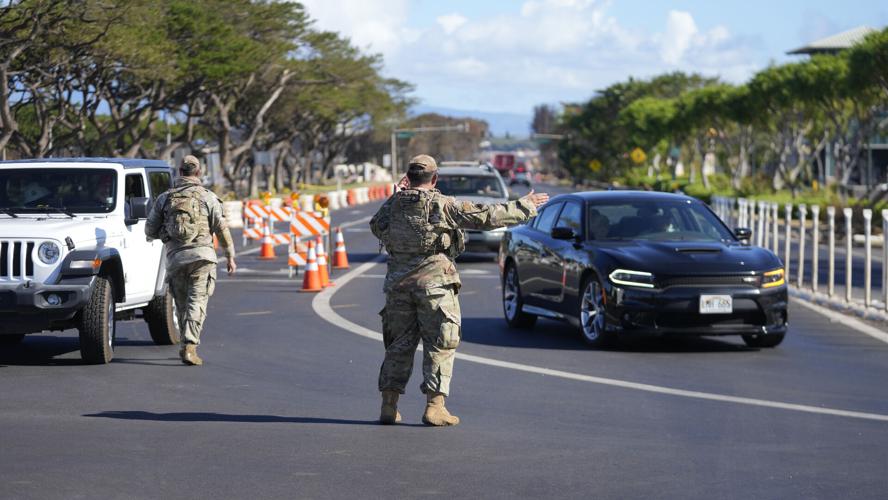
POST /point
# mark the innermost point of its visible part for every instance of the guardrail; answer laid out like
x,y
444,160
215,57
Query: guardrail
x,y
806,265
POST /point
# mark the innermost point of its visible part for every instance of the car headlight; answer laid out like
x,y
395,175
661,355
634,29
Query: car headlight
x,y
773,278
48,252
632,278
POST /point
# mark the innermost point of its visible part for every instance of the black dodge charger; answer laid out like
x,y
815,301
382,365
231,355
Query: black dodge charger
x,y
616,263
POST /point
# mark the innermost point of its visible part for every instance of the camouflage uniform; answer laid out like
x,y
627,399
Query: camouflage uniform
x,y
422,232
191,267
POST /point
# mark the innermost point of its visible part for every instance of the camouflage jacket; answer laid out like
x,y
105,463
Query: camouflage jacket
x,y
178,254
423,270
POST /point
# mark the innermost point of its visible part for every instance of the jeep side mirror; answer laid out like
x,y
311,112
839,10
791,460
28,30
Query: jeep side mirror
x,y
563,233
138,209
744,234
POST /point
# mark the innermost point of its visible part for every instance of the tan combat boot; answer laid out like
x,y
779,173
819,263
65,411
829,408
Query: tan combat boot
x,y
189,355
435,413
389,414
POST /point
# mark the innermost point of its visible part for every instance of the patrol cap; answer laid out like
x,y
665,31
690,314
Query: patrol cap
x,y
190,164
422,163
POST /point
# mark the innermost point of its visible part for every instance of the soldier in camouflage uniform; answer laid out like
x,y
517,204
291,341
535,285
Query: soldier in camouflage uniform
x,y
422,233
185,218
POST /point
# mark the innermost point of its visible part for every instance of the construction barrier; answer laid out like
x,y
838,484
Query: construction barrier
x,y
351,198
304,224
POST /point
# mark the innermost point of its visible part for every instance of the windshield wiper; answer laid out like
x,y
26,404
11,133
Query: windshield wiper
x,y
9,211
58,210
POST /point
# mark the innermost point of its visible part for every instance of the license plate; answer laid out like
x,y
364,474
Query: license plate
x,y
716,304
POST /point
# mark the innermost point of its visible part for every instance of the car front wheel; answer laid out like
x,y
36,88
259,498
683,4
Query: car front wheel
x,y
593,315
97,324
513,302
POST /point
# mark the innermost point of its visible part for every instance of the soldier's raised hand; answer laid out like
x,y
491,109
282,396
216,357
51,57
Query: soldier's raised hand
x,y
538,199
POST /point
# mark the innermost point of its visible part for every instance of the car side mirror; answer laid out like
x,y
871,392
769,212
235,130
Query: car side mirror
x,y
563,233
514,196
138,210
744,234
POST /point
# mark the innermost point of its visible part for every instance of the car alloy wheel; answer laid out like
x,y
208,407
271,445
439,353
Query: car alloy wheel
x,y
592,313
510,294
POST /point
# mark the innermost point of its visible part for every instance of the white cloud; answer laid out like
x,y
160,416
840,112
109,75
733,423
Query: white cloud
x,y
451,22
680,32
534,52
377,25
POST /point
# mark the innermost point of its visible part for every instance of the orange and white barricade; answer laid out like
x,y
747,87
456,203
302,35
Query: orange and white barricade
x,y
298,256
307,224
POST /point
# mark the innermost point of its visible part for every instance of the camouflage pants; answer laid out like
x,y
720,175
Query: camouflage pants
x,y
431,315
192,285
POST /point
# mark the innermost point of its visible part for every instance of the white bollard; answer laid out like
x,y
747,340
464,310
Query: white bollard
x,y
803,216
849,237
831,257
775,212
766,224
815,247
343,198
306,202
234,213
885,259
760,227
867,257
787,248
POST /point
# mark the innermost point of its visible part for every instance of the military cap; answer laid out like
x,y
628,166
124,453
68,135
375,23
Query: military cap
x,y
190,164
422,163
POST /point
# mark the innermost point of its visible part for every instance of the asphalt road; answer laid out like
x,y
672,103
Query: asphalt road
x,y
286,403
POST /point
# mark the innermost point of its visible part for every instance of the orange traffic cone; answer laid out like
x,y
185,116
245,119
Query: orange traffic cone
x,y
312,280
340,257
323,266
267,250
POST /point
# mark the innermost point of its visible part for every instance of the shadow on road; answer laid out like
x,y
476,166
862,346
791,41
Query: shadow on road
x,y
556,335
37,350
222,417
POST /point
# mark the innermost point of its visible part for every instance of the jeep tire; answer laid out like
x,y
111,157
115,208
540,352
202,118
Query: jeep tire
x,y
160,314
97,324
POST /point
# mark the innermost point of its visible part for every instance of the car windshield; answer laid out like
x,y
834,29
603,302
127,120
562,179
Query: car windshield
x,y
47,189
470,185
670,220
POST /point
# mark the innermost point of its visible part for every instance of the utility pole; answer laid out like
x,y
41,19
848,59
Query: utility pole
x,y
407,133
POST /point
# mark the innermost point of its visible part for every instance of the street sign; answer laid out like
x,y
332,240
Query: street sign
x,y
405,135
637,156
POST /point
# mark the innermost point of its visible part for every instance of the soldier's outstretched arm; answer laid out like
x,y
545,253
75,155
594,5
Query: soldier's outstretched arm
x,y
482,216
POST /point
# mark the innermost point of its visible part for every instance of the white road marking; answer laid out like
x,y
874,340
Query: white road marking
x,y
844,319
321,306
255,313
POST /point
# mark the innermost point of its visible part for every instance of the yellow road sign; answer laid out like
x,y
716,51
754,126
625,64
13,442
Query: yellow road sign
x,y
637,156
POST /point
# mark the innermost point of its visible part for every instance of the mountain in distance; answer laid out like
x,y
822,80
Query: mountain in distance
x,y
515,124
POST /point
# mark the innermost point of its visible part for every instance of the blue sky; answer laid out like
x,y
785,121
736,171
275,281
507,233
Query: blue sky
x,y
506,56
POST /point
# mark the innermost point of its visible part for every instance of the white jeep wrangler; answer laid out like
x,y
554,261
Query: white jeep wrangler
x,y
73,251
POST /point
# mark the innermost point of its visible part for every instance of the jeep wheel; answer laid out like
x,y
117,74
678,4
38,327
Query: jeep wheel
x,y
10,340
97,324
161,318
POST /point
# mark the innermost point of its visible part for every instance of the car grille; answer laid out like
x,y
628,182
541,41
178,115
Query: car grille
x,y
16,260
742,281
